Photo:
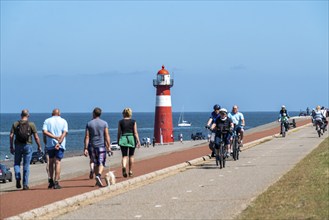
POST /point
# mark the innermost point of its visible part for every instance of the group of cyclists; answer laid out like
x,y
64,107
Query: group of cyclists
x,y
223,125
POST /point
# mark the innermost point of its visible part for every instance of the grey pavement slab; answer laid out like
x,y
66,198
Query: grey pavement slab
x,y
204,191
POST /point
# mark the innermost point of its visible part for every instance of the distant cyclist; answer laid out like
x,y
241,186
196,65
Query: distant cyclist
x,y
283,117
319,118
213,116
324,113
223,125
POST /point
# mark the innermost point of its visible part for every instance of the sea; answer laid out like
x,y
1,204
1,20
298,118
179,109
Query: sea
x,y
145,123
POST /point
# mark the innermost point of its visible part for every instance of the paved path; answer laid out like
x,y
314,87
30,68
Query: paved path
x,y
203,191
148,161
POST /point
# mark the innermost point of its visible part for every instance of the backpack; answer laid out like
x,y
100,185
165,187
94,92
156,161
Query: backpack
x,y
23,131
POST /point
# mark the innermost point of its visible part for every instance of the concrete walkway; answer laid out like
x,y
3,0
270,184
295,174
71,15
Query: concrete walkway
x,y
204,191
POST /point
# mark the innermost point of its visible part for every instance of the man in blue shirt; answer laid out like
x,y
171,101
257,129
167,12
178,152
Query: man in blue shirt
x,y
238,121
55,129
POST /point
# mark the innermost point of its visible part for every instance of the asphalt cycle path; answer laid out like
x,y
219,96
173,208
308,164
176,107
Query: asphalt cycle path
x,y
204,191
77,187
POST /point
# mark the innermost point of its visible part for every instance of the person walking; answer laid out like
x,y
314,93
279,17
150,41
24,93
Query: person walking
x,y
97,138
153,141
180,137
128,140
55,129
22,131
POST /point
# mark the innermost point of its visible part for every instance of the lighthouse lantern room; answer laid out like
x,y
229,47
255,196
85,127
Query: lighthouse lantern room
x,y
163,126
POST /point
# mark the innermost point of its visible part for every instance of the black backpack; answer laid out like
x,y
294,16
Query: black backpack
x,y
23,131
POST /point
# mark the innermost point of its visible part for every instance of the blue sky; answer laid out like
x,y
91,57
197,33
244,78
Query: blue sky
x,y
76,55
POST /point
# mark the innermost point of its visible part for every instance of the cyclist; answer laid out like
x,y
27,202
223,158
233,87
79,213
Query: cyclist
x,y
318,117
324,113
223,125
284,116
239,122
213,116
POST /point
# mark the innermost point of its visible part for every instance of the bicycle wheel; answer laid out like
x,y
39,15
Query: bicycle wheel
x,y
223,155
235,148
283,130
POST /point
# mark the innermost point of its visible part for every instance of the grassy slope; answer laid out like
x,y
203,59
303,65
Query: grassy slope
x,y
303,193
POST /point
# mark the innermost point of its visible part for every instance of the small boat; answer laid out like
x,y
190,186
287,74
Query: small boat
x,y
182,122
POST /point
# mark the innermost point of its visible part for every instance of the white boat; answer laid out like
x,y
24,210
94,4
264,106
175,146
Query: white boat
x,y
182,122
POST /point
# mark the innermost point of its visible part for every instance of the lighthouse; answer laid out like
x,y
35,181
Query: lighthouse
x,y
163,129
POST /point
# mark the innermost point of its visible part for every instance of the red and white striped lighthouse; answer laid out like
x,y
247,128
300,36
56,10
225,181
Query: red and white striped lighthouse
x,y
163,129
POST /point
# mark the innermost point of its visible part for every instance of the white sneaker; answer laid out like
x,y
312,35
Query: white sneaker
x,y
99,181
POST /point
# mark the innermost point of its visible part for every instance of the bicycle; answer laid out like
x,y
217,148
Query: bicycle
x,y
220,149
284,126
318,127
235,144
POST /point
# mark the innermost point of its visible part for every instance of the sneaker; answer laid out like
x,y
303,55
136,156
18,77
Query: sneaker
x,y
131,173
26,187
56,185
91,175
18,184
99,181
51,183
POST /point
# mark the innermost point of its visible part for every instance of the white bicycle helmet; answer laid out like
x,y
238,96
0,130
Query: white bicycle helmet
x,y
223,110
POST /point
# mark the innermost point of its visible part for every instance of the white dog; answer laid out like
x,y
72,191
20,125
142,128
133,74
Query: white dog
x,y
110,178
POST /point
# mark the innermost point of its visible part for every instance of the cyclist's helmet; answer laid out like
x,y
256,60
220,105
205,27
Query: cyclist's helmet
x,y
216,107
283,107
221,111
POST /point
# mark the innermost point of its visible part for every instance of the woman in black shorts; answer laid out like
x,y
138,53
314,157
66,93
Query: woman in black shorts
x,y
128,140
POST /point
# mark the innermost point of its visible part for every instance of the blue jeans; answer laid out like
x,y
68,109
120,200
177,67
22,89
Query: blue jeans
x,y
23,151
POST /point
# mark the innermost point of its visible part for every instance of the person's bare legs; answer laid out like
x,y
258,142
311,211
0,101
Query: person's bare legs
x,y
51,165
131,162
99,170
92,169
124,166
57,169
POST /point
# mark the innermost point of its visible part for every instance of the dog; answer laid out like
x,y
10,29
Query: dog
x,y
110,178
